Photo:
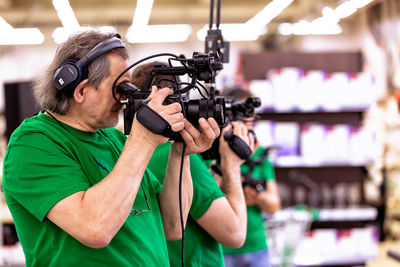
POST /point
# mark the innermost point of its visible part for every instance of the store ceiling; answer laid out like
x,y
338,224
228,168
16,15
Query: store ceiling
x,y
41,13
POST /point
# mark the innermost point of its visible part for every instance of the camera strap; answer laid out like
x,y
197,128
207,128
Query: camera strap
x,y
153,121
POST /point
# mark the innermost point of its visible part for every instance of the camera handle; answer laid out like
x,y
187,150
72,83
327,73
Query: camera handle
x,y
237,145
153,121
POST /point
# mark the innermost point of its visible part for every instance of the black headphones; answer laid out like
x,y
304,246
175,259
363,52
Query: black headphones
x,y
71,73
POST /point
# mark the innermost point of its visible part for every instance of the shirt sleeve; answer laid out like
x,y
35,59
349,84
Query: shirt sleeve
x,y
268,170
205,189
159,160
155,183
38,173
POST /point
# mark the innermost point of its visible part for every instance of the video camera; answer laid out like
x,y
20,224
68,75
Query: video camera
x,y
235,111
240,110
247,180
202,67
259,184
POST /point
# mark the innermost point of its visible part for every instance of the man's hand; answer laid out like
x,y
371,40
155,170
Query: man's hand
x,y
251,195
171,113
227,155
201,139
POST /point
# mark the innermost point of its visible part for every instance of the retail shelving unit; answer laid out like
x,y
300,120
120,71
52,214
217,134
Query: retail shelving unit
x,y
346,216
19,105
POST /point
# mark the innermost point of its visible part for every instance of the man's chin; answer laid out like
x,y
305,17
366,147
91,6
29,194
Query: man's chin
x,y
112,121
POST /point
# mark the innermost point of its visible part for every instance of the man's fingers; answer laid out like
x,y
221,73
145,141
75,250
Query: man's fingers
x,y
251,141
243,131
236,128
187,137
196,135
206,129
239,129
173,108
160,95
176,121
177,126
226,128
214,125
153,91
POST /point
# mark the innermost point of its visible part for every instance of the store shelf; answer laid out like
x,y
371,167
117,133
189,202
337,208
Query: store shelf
x,y
353,118
12,255
291,231
5,214
338,173
256,65
356,217
299,161
341,247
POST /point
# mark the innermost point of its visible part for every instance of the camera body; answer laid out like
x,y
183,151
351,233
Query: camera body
x,y
234,111
239,110
201,67
247,180
259,184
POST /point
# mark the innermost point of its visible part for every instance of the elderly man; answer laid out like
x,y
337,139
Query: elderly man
x,y
78,190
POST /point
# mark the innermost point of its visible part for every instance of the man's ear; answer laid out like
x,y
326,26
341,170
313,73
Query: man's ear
x,y
80,90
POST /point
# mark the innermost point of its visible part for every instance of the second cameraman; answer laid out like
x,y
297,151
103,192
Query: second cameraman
x,y
254,252
216,216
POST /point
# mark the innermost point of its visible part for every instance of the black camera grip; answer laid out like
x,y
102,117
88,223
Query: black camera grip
x,y
237,145
153,121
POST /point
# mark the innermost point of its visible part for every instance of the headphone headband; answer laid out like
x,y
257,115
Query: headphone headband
x,y
71,73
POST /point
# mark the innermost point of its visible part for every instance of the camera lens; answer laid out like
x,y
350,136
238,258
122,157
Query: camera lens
x,y
205,108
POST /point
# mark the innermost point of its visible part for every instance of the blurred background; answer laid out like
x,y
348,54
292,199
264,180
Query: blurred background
x,y
328,75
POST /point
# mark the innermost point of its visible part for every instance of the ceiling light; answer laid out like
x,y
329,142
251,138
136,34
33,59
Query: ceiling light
x,y
141,32
159,33
361,3
350,7
269,12
68,20
346,9
66,15
302,27
142,13
318,26
285,28
254,27
324,28
327,23
329,16
61,34
21,36
4,25
235,32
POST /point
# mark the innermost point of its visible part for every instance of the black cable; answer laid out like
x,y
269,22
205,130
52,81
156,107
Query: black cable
x,y
180,206
202,86
210,19
179,92
131,66
218,13
180,176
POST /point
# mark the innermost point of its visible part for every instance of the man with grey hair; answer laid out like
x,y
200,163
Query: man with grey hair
x,y
79,191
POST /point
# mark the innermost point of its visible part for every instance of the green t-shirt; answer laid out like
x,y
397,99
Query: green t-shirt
x,y
255,237
200,248
46,162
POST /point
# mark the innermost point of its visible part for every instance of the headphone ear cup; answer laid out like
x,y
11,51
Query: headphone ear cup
x,y
67,76
71,73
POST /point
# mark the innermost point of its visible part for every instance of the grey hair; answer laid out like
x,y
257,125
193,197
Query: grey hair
x,y
75,48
